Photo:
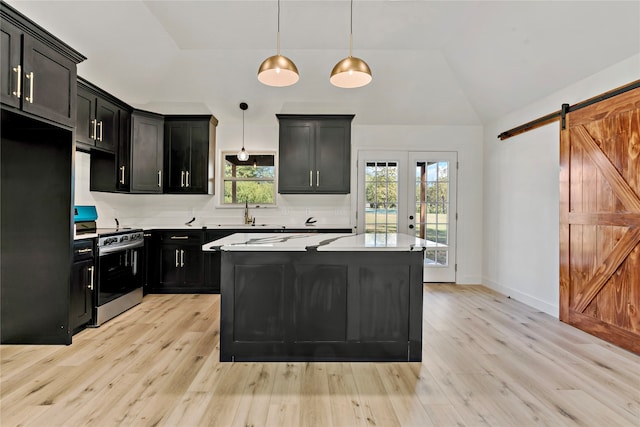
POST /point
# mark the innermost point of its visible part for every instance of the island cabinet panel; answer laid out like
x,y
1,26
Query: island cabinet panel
x,y
321,306
384,302
259,313
321,303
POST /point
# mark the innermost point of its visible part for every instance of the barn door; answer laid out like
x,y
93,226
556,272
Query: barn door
x,y
600,220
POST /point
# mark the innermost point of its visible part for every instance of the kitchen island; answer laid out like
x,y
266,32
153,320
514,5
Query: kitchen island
x,y
320,297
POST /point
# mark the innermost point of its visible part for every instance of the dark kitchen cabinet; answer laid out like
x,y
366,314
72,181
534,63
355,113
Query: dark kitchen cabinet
x,y
181,262
98,118
212,259
147,130
189,147
315,154
82,281
38,71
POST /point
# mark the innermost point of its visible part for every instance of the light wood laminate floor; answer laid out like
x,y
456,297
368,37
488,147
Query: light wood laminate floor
x,y
487,361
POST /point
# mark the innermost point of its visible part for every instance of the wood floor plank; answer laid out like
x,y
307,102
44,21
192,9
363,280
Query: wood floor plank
x,y
487,360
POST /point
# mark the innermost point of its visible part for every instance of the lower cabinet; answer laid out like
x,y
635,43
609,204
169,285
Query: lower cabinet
x,y
180,263
82,280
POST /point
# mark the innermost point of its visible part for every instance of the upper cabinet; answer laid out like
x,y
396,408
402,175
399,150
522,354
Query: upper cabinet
x,y
98,118
147,137
315,154
38,71
189,147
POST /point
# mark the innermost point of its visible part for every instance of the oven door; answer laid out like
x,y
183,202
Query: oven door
x,y
119,273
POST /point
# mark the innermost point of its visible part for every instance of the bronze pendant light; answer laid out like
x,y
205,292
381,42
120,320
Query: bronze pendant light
x,y
351,72
278,70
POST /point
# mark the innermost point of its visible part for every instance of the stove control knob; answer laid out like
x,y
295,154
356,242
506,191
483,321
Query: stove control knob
x,y
124,238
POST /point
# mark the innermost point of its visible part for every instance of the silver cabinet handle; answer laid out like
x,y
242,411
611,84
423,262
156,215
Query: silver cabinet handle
x,y
181,178
160,178
91,270
310,178
122,168
94,123
179,237
31,77
18,70
187,178
134,262
100,136
181,258
317,178
177,258
84,251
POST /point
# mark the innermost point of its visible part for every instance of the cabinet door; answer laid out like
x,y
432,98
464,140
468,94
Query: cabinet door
x,y
295,171
192,264
199,157
49,84
81,297
124,152
107,129
170,270
146,154
85,114
10,74
177,153
333,157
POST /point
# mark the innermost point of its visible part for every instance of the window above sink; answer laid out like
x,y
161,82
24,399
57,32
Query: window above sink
x,y
251,181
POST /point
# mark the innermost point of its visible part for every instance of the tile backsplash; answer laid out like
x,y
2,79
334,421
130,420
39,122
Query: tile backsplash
x,y
171,210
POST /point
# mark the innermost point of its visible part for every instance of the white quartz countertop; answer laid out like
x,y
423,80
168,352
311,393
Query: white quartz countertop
x,y
248,227
326,242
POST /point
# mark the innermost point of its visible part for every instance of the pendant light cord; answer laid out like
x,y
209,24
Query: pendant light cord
x,y
350,31
242,130
278,27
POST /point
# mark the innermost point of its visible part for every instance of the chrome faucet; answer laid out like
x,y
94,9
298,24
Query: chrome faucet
x,y
247,218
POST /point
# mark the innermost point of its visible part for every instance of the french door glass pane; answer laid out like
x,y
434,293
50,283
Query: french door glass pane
x,y
432,207
381,197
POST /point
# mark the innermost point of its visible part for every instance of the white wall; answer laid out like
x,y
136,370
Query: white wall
x,y
521,194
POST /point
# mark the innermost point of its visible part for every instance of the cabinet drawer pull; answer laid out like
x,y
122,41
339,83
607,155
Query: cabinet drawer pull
x,y
310,178
100,136
187,184
146,235
179,237
84,251
91,270
31,77
122,168
18,70
181,178
94,123
160,178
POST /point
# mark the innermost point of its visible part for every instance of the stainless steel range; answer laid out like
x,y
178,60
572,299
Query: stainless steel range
x,y
119,273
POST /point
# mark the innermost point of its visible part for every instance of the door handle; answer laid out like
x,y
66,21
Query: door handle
x,y
91,270
181,178
122,168
18,70
310,178
100,136
94,123
181,258
317,178
31,77
177,258
187,178
160,179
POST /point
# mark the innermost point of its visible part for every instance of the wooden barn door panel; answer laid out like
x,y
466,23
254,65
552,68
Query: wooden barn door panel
x,y
600,220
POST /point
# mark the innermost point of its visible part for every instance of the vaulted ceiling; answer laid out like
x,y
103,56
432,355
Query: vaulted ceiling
x,y
433,63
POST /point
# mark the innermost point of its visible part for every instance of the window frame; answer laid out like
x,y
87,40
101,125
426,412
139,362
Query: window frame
x,y
224,180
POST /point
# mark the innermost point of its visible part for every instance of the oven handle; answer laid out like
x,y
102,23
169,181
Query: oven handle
x,y
106,250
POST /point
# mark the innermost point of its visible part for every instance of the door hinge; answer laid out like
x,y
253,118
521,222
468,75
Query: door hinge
x,y
456,216
457,165
455,267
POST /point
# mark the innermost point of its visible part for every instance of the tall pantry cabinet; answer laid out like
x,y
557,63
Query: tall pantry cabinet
x,y
38,95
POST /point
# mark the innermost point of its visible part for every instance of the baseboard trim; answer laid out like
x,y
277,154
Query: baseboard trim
x,y
544,306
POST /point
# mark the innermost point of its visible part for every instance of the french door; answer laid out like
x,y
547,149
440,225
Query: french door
x,y
414,193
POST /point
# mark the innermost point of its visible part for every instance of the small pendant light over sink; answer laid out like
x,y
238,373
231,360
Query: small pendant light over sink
x,y
278,70
243,156
351,72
